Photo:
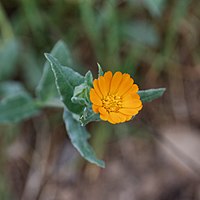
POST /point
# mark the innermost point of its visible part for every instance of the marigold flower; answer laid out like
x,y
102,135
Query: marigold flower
x,y
115,97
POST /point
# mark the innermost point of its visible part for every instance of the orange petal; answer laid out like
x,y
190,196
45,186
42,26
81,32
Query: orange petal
x,y
96,88
136,96
104,117
111,120
134,89
125,85
129,117
129,111
122,117
115,82
95,108
104,87
108,78
131,95
103,111
115,117
130,102
94,98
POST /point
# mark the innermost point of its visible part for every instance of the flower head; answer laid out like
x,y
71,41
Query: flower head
x,y
115,97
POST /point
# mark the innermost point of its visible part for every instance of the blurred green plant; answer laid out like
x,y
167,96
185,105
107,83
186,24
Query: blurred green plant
x,y
119,34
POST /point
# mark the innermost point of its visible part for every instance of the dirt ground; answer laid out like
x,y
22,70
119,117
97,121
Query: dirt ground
x,y
137,168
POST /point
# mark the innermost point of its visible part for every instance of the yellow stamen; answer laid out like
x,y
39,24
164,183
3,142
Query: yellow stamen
x,y
112,103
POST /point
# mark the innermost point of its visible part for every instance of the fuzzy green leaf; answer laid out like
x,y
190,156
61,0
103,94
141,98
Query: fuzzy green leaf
x,y
66,80
79,136
46,89
151,94
16,108
10,88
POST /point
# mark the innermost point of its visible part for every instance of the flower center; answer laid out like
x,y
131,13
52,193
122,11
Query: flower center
x,y
112,103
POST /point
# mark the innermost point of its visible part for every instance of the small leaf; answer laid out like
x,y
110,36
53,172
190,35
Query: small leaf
x,y
16,108
79,136
10,88
100,71
151,94
79,93
46,89
66,80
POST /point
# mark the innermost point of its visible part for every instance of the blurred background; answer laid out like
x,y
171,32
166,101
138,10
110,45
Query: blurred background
x,y
156,155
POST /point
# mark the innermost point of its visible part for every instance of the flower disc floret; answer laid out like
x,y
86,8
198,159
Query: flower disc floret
x,y
112,103
115,97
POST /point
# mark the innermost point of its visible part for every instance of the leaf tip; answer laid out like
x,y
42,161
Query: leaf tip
x,y
47,55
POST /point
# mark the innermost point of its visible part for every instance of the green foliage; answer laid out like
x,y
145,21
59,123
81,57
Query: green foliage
x,y
74,92
151,94
66,80
9,51
119,34
17,107
79,136
137,32
10,88
46,89
72,88
88,116
81,92
155,7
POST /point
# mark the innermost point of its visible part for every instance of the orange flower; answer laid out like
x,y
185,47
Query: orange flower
x,y
115,97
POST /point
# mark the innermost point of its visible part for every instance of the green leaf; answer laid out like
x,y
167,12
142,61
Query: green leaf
x,y
79,136
100,71
151,94
9,52
141,32
66,80
10,88
31,69
16,108
46,89
155,7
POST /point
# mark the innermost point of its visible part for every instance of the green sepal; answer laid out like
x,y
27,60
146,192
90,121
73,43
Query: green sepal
x,y
88,116
81,92
89,78
100,71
